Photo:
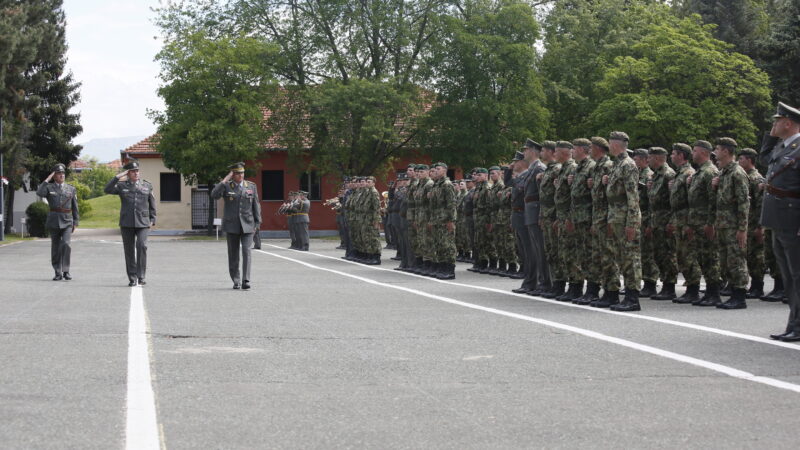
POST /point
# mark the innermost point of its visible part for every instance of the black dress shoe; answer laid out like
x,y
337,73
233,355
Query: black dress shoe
x,y
778,337
67,276
132,283
245,285
519,291
791,337
236,286
58,277
142,282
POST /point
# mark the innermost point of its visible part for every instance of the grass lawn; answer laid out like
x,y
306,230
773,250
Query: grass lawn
x,y
14,237
105,213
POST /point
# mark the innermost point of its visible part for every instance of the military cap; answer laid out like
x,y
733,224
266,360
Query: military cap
x,y
440,164
787,111
402,176
237,167
727,142
494,168
59,168
411,166
468,178
600,142
304,193
422,167
482,170
345,178
564,144
681,147
504,167
618,136
748,152
581,142
640,152
657,151
370,178
549,144
530,143
703,144
131,165
518,156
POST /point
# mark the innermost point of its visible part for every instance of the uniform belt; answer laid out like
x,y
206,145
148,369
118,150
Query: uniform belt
x,y
782,193
60,210
518,209
531,198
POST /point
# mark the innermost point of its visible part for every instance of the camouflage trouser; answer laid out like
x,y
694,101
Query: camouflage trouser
x,y
769,257
665,255
461,236
687,259
755,257
583,250
413,238
470,230
505,243
733,259
427,243
371,237
356,234
444,244
483,240
551,251
706,253
650,268
628,255
568,258
598,266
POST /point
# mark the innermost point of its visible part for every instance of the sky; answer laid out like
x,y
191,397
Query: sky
x,y
111,49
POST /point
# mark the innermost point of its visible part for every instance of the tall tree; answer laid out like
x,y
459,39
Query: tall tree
x,y
779,52
737,22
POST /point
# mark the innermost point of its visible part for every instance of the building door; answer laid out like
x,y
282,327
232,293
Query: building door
x,y
199,208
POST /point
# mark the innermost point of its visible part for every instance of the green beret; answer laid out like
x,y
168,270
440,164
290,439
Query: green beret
x,y
370,178
600,142
681,147
618,136
439,164
481,170
581,142
564,144
704,144
494,168
640,152
727,142
748,152
422,167
658,151
549,144
411,166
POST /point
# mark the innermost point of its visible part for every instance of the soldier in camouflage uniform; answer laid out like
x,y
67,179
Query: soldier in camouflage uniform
x,y
469,219
733,207
624,220
497,185
482,216
442,204
649,266
755,232
547,216
370,207
461,229
505,243
422,245
702,214
679,222
658,197
597,268
411,217
567,264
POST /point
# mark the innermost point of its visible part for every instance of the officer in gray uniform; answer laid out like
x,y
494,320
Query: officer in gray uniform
x,y
241,218
301,220
137,214
524,243
61,220
781,207
539,271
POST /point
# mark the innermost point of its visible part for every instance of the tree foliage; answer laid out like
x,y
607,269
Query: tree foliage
x,y
94,178
779,52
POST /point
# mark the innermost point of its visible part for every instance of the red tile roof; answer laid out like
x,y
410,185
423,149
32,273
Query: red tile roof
x,y
79,164
115,164
148,145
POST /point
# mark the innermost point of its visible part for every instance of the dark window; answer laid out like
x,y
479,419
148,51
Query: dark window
x,y
309,182
272,185
170,187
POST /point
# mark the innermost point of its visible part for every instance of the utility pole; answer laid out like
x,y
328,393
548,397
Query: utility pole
x,y
2,190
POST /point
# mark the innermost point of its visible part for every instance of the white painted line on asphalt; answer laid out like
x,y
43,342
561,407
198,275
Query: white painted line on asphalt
x,y
141,430
677,323
726,370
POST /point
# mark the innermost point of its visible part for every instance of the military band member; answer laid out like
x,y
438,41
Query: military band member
x,y
781,210
755,232
527,259
294,241
302,220
241,218
403,244
136,215
62,198
537,272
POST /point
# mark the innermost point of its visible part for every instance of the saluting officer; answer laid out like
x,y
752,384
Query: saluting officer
x,y
241,218
61,220
137,214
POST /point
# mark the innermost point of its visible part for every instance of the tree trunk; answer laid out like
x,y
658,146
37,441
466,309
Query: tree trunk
x,y
8,220
211,211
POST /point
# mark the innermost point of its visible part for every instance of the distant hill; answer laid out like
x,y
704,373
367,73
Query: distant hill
x,y
107,149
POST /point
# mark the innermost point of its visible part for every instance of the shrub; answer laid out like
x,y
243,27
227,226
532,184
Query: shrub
x,y
37,218
84,193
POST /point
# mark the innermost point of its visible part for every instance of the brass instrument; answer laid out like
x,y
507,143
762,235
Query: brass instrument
x,y
334,203
286,206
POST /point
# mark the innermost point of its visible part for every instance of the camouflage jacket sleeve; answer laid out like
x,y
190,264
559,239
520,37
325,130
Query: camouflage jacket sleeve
x,y
756,199
679,197
645,176
633,217
733,198
447,195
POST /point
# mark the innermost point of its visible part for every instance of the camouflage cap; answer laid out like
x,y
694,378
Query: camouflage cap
x,y
549,144
748,152
681,147
600,142
640,152
494,168
422,167
703,144
618,136
411,166
439,164
468,178
727,142
481,170
370,178
582,142
657,151
564,144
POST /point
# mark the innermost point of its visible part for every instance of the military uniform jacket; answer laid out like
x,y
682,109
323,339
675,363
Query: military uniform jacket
x,y
495,200
242,212
138,205
502,215
469,204
602,167
370,205
547,192
303,208
482,201
733,198
63,201
622,192
563,192
679,196
702,199
581,211
756,189
532,205
645,175
442,201
658,197
783,160
421,200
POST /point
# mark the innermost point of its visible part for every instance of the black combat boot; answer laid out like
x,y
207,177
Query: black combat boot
x,y
492,266
514,273
648,290
427,268
777,292
373,259
558,290
502,267
609,298
712,296
756,289
541,289
417,265
667,292
726,290
468,257
629,303
691,296
592,289
575,291
447,272
737,300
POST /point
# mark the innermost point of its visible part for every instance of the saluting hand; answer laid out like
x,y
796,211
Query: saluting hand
x,y
50,177
228,177
122,176
451,227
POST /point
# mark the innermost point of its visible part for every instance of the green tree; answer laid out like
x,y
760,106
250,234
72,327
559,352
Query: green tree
x,y
94,178
779,52
737,22
214,91
678,84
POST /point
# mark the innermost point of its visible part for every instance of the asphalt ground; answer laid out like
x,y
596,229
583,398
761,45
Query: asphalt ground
x,y
323,353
